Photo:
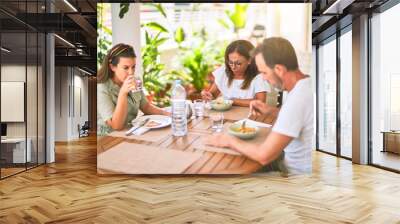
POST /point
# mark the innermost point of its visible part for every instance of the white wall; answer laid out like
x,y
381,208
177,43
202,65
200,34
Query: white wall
x,y
61,103
313,76
69,82
79,117
12,73
34,124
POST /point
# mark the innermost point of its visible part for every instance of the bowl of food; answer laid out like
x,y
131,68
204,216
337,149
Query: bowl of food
x,y
220,104
243,131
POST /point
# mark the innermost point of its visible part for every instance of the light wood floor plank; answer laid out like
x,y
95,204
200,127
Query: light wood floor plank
x,y
70,191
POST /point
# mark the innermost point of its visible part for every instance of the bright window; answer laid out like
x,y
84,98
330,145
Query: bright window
x,y
346,94
385,83
327,97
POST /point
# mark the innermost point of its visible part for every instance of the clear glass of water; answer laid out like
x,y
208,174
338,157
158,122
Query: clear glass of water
x,y
217,122
198,108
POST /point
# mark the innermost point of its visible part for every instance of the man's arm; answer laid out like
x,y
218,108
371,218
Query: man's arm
x,y
264,153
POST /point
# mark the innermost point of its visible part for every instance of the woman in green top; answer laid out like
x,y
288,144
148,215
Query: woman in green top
x,y
117,105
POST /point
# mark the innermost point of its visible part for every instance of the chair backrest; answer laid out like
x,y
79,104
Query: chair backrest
x,y
86,125
274,98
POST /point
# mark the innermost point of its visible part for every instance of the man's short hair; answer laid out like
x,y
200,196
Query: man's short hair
x,y
277,50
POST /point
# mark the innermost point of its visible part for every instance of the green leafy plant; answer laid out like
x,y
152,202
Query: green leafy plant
x,y
199,59
123,9
104,35
197,67
197,56
156,26
152,69
179,35
157,81
236,19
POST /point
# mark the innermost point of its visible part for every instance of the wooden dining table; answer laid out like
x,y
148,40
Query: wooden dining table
x,y
210,162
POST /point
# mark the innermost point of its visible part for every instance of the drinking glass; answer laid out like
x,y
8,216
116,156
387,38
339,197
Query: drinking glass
x,y
137,83
217,122
198,108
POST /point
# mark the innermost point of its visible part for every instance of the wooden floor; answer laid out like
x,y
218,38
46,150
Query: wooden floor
x,y
5,172
70,191
387,159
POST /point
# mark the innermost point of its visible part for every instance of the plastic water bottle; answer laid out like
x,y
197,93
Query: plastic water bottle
x,y
178,98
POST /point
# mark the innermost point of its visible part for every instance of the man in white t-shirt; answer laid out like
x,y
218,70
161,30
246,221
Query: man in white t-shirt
x,y
293,130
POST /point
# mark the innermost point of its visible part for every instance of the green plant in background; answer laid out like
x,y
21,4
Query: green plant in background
x,y
152,69
154,75
123,9
104,35
179,36
197,55
199,59
157,81
236,18
197,67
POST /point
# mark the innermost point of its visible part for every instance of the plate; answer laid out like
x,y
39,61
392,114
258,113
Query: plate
x,y
155,121
226,105
247,135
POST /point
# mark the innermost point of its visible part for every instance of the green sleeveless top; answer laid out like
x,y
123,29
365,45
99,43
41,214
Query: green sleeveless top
x,y
107,96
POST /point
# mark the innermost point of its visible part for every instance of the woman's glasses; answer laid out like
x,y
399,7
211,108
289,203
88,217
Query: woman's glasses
x,y
235,63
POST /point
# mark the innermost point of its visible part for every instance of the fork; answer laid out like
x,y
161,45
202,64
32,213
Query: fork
x,y
134,128
249,115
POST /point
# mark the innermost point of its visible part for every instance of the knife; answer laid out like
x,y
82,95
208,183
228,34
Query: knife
x,y
139,125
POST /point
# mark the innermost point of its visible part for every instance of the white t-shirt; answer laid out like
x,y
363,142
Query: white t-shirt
x,y
296,119
234,91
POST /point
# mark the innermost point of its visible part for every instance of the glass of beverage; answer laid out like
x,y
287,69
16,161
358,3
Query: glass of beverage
x,y
136,84
217,122
139,84
198,108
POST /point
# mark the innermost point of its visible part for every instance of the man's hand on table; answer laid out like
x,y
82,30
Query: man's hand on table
x,y
259,108
220,140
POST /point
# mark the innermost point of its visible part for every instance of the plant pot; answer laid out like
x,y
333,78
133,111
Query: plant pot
x,y
194,96
192,93
150,98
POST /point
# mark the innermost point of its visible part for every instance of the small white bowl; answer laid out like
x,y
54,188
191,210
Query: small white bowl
x,y
226,105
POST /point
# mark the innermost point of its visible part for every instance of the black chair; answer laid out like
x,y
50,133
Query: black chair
x,y
84,130
280,99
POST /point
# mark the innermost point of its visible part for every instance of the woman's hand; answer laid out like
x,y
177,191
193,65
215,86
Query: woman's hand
x,y
206,95
127,85
259,108
219,140
166,113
